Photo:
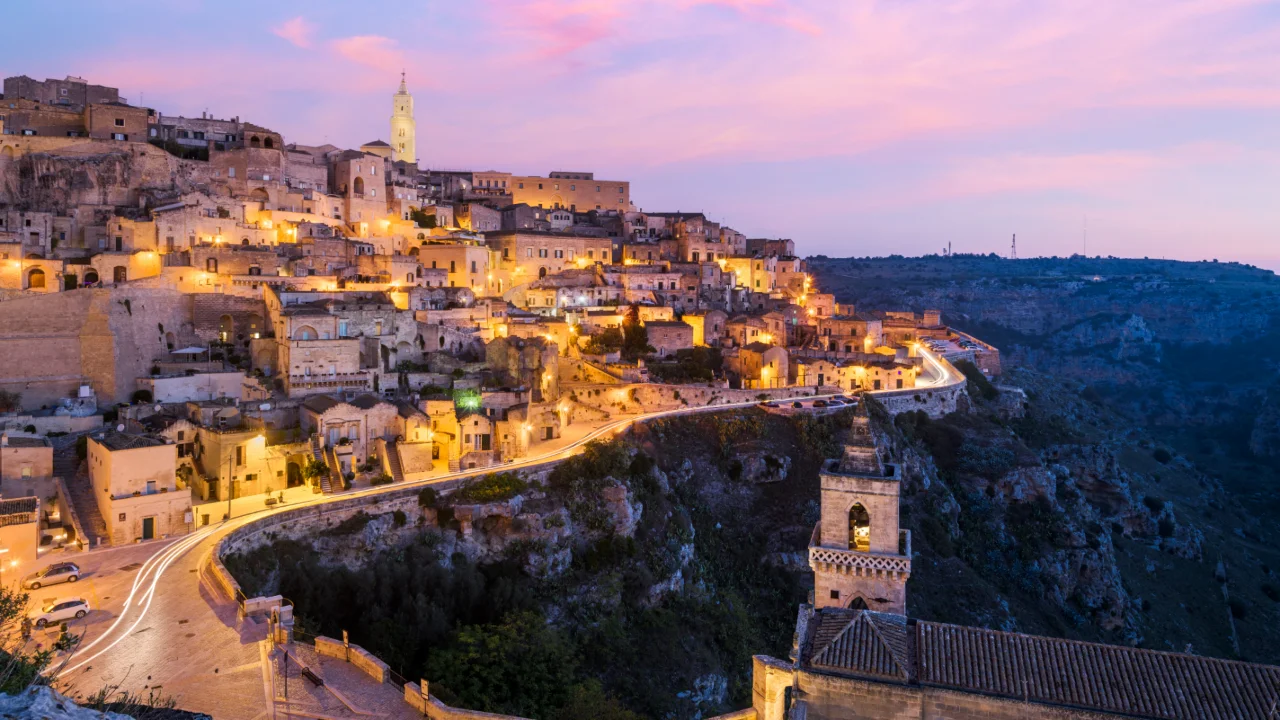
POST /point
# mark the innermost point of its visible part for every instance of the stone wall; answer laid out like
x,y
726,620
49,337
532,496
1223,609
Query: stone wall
x,y
937,402
106,337
653,397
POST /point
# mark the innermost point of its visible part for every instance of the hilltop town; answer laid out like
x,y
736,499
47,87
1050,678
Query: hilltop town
x,y
251,315
222,347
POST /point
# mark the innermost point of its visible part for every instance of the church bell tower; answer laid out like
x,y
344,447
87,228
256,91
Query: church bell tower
x,y
861,558
403,128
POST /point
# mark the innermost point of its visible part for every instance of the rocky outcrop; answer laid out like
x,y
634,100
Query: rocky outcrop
x,y
45,703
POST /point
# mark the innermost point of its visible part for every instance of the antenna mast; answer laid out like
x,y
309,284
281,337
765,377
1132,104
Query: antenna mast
x,y
1013,250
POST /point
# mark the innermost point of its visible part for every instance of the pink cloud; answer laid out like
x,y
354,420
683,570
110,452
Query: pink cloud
x,y
297,31
374,51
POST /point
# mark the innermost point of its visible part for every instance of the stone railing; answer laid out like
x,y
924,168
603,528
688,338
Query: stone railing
x,y
859,563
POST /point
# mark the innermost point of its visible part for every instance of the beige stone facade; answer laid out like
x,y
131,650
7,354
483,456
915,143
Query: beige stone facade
x,y
135,483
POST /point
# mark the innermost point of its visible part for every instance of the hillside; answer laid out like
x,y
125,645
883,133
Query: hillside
x,y
1151,388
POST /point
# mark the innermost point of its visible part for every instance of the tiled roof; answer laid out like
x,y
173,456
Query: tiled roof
x,y
320,403
864,643
1106,678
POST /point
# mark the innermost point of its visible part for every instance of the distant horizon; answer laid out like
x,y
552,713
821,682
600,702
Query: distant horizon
x,y
1148,126
998,256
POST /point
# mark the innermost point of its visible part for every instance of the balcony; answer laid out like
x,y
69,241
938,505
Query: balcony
x,y
853,562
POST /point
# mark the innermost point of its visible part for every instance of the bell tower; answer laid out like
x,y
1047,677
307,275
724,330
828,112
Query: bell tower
x,y
403,128
860,556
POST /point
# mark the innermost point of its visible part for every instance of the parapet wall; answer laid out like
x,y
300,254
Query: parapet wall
x,y
654,397
936,402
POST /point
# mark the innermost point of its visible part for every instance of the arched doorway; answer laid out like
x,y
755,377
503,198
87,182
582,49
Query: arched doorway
x,y
542,272
35,279
255,142
120,274
306,332
357,186
859,528
268,143
90,277
413,252
226,328
170,341
293,475
858,604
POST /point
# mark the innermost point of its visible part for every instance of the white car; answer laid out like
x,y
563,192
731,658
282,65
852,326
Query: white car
x,y
57,611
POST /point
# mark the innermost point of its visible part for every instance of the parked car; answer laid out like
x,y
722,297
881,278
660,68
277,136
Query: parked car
x,y
52,575
797,404
57,611
819,403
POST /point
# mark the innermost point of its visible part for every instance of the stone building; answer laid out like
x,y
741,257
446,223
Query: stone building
x,y
26,466
758,365
524,256
135,483
708,326
70,91
404,130
669,336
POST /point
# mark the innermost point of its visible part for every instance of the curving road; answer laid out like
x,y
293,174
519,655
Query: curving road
x,y
157,626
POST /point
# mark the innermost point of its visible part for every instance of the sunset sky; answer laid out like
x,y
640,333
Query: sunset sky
x,y
856,127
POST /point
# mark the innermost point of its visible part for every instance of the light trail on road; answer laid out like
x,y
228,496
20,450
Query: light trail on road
x,y
153,569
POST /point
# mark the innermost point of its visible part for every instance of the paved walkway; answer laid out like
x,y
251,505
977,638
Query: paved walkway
x,y
347,692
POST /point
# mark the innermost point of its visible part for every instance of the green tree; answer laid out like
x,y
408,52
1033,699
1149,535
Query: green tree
x,y
422,219
588,701
518,667
635,339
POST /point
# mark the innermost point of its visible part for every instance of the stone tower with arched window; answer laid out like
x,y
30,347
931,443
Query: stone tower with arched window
x,y
403,127
860,556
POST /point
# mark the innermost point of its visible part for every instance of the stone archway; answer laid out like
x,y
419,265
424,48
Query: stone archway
x,y
226,328
357,186
90,277
306,332
859,528
35,279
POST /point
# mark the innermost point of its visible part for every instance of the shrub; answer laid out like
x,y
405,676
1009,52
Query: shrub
x,y
350,526
383,479
494,487
10,401
400,518
977,380
428,497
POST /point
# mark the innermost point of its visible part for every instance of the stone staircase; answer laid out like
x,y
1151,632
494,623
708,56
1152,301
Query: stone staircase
x,y
317,452
393,460
84,505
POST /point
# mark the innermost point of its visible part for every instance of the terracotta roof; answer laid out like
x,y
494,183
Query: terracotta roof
x,y
862,642
1107,678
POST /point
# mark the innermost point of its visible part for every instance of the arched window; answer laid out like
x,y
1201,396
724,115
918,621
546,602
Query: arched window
x,y
244,241
358,186
268,143
35,278
255,142
306,332
542,272
859,528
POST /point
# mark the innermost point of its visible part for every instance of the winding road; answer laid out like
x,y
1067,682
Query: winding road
x,y
157,626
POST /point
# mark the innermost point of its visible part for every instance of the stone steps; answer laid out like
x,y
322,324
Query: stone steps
x,y
83,503
393,459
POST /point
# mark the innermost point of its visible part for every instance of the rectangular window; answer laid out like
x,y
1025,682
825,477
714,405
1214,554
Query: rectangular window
x,y
119,122
239,455
453,266
473,266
